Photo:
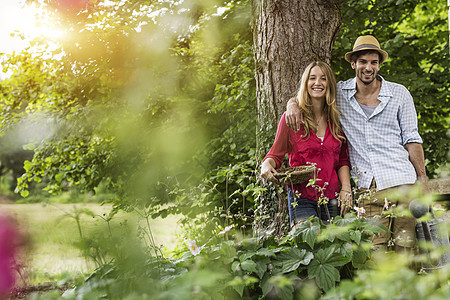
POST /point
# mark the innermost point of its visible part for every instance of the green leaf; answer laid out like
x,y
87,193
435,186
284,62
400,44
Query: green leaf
x,y
310,234
287,292
345,237
291,259
249,266
239,288
246,256
355,236
59,177
373,227
360,257
345,250
266,284
323,267
283,287
228,252
326,275
238,285
298,230
235,266
27,165
266,252
261,268
336,258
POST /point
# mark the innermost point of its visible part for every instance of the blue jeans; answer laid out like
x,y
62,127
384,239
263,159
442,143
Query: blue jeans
x,y
306,208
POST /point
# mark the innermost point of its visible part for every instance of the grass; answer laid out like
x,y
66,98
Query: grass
x,y
52,254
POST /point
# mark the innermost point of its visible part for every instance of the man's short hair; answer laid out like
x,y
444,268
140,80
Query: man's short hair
x,y
355,55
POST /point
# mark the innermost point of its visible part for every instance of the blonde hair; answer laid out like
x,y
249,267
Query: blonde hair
x,y
331,110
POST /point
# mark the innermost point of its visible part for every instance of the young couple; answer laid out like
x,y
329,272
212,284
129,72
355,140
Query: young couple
x,y
365,122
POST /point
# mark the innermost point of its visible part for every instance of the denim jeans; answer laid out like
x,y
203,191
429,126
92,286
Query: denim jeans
x,y
306,208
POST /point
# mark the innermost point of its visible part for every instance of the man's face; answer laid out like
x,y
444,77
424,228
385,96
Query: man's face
x,y
367,67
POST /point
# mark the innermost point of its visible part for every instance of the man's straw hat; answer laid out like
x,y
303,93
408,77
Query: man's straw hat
x,y
367,42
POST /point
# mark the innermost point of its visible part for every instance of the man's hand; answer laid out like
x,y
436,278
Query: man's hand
x,y
294,118
416,156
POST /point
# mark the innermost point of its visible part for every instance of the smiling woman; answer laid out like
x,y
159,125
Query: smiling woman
x,y
20,23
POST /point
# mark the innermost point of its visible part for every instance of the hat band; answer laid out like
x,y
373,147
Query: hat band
x,y
366,46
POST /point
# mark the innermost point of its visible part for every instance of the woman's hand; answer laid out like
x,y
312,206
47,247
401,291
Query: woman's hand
x,y
268,170
345,201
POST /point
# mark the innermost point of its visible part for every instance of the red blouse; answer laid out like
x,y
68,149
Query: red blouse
x,y
328,156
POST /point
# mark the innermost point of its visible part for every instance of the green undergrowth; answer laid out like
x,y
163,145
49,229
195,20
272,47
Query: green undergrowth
x,y
309,261
313,261
54,251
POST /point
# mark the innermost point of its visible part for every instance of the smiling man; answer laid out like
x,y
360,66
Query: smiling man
x,y
380,122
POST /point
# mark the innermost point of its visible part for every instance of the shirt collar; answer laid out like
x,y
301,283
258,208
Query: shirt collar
x,y
385,90
350,85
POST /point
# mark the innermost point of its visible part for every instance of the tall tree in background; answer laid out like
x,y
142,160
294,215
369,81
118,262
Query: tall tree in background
x,y
287,36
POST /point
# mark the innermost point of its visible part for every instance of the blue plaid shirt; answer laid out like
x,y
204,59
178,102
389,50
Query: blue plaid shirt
x,y
376,143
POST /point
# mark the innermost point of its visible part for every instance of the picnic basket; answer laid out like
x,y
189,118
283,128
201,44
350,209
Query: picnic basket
x,y
294,175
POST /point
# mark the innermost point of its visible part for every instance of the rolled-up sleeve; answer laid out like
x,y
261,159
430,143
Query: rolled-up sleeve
x,y
344,159
408,120
281,144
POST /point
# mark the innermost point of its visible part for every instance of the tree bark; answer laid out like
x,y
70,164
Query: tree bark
x,y
287,36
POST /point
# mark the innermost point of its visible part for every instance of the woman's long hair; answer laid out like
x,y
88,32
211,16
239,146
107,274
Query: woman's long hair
x,y
331,110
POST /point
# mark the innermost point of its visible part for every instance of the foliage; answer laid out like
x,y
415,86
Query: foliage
x,y
311,251
89,92
308,261
87,160
313,261
227,190
391,278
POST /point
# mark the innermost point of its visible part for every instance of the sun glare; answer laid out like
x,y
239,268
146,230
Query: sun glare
x,y
28,21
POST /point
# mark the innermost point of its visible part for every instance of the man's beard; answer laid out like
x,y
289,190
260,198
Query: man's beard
x,y
370,81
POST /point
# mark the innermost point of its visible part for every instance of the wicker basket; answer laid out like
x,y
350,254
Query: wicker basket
x,y
294,175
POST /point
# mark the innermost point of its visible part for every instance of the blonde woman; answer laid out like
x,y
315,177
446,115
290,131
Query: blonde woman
x,y
319,141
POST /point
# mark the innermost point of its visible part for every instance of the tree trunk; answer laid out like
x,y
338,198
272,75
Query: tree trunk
x,y
287,36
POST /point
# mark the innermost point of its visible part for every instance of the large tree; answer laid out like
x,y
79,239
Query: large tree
x,y
287,36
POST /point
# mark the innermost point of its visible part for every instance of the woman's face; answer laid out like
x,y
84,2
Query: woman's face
x,y
317,83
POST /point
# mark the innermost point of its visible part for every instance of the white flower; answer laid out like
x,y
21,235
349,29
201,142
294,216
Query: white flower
x,y
193,247
227,228
360,210
386,204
